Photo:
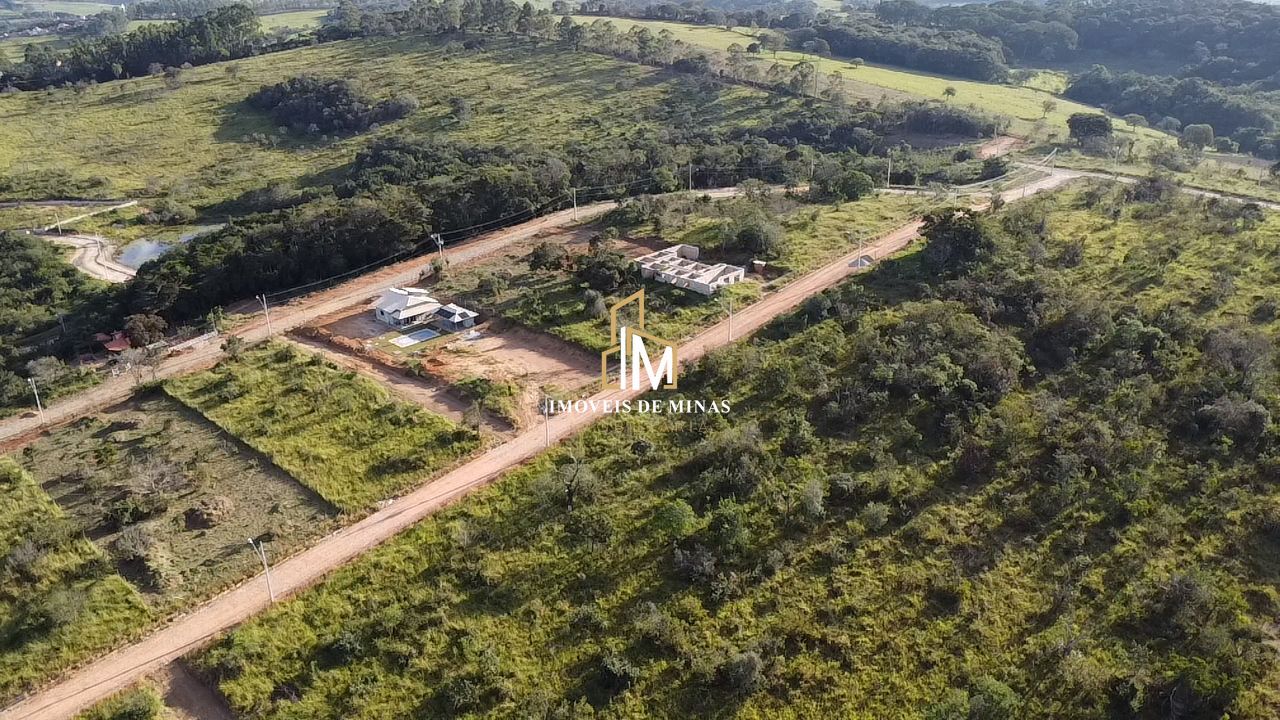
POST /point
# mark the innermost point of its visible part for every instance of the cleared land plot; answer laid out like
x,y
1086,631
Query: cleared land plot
x,y
60,599
503,367
339,434
196,494
435,396
202,143
1024,104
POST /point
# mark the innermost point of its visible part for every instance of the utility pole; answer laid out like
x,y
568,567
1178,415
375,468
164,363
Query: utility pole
x,y
574,193
730,319
439,246
36,392
690,176
261,550
546,420
266,313
888,174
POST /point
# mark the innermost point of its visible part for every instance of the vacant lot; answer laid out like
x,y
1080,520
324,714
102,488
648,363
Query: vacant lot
x,y
339,434
201,142
60,599
154,469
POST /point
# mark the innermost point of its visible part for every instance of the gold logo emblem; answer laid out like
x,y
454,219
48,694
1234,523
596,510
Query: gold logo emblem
x,y
634,361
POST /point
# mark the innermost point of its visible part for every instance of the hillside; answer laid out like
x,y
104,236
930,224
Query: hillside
x,y
198,140
1022,472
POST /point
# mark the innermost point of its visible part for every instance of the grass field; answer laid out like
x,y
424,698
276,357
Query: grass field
x,y
199,494
65,6
299,20
60,601
341,435
139,703
1023,104
198,141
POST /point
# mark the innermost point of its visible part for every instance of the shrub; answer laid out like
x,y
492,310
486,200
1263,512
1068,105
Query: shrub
x,y
874,516
742,673
312,105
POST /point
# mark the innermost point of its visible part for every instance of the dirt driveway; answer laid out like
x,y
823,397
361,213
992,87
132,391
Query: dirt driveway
x,y
532,360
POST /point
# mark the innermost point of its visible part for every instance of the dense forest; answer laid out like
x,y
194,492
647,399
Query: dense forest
x,y
1216,62
953,52
1023,472
221,34
38,289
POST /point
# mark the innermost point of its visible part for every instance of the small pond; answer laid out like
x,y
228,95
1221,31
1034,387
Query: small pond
x,y
140,251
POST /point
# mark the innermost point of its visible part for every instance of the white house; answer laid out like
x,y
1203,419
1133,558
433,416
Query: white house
x,y
678,265
401,307
454,317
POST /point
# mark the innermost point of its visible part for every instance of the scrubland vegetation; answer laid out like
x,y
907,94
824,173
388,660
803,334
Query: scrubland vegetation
x,y
1022,469
172,498
142,703
343,436
61,600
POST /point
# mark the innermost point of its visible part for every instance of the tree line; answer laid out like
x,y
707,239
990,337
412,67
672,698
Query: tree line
x,y
221,34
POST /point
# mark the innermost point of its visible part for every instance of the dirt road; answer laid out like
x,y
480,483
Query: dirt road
x,y
301,311
127,665
1070,174
94,257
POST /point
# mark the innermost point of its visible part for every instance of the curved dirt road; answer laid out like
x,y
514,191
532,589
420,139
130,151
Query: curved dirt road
x,y
93,256
125,666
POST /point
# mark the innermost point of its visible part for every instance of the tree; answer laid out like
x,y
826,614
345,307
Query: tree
x,y
772,41
1197,137
145,328
1047,107
1085,126
949,92
577,481
759,236
546,256
605,270
954,238
46,371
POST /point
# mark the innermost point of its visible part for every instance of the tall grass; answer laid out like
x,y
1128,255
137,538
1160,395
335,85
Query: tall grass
x,y
341,435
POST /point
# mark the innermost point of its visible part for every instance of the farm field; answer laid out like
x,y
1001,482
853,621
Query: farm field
x,y
1023,104
200,143
341,435
792,562
153,473
62,600
298,20
65,6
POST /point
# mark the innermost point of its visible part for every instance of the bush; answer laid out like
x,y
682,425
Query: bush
x,y
742,673
874,516
313,105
